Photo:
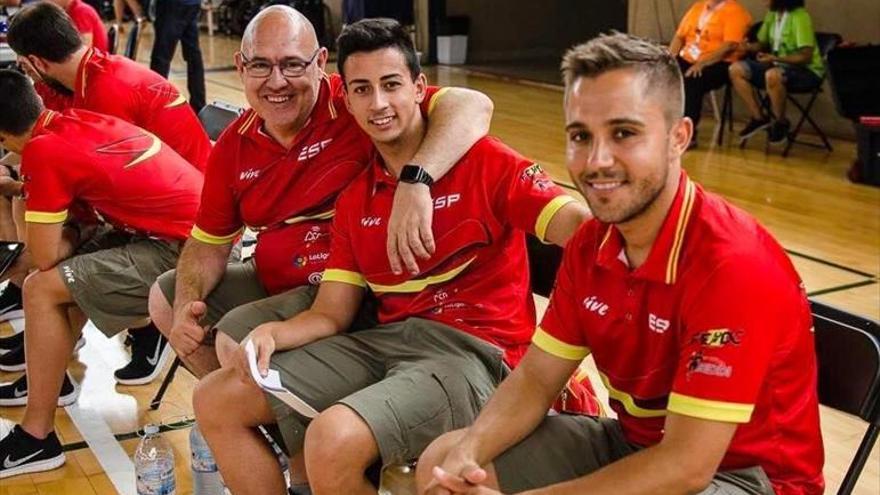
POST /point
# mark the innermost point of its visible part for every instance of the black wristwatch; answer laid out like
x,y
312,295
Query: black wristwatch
x,y
414,174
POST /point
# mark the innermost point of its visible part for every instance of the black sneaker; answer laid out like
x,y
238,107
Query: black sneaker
x,y
149,353
15,393
13,360
11,343
753,126
778,132
22,453
11,306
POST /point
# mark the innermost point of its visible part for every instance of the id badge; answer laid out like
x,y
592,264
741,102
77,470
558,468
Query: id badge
x,y
693,51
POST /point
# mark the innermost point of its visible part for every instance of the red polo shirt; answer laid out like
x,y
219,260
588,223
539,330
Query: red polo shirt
x,y
87,21
287,196
126,175
714,325
117,86
478,278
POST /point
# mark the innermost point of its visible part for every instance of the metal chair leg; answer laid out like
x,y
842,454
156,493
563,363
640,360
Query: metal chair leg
x,y
858,463
169,377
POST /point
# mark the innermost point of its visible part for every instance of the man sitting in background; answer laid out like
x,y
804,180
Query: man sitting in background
x,y
50,49
705,44
80,167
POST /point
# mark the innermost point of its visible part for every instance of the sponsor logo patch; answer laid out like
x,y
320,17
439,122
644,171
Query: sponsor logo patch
x,y
657,324
707,365
531,172
718,337
595,305
371,221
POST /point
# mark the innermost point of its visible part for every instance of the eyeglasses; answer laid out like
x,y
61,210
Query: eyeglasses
x,y
289,67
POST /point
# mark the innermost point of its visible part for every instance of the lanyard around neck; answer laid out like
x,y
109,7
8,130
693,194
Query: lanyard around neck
x,y
777,32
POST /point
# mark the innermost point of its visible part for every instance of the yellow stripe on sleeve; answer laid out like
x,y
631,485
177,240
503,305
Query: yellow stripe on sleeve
x,y
558,348
435,98
216,240
45,216
344,276
548,213
728,412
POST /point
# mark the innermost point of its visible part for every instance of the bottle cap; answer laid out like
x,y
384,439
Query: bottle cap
x,y
151,429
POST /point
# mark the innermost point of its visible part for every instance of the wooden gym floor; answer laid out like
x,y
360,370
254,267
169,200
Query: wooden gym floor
x,y
830,227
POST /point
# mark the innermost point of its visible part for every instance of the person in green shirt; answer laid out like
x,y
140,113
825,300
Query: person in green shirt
x,y
787,59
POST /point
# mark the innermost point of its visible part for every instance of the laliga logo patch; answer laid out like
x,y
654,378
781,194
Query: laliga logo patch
x,y
300,261
707,365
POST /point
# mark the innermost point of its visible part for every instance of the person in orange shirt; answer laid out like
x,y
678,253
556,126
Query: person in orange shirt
x,y
705,45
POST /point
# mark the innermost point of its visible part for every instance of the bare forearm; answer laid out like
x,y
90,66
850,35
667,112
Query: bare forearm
x,y
305,328
799,58
496,429
719,54
647,472
199,269
675,46
459,120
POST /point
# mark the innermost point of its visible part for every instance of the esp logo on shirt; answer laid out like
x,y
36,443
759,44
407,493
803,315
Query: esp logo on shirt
x,y
446,201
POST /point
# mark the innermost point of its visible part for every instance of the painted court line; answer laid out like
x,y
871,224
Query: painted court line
x,y
95,431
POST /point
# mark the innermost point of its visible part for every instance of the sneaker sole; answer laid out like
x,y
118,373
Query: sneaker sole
x,y
13,368
63,401
12,315
757,130
35,467
163,360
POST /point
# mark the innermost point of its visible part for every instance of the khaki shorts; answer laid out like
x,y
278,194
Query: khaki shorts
x,y
410,381
110,276
237,289
566,447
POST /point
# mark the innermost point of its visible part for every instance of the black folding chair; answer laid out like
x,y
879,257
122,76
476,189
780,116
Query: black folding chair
x,y
848,348
214,117
113,39
133,41
826,42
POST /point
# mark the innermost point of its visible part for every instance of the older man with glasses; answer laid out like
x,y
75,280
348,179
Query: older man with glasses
x,y
278,170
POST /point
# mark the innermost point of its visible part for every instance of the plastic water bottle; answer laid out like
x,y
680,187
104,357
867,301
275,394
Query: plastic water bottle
x,y
154,464
205,474
398,478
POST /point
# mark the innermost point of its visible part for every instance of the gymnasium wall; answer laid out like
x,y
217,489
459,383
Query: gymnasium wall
x,y
855,20
528,29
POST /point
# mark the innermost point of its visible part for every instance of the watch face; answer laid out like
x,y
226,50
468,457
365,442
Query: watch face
x,y
414,174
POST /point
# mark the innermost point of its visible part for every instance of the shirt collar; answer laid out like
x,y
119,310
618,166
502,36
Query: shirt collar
x,y
42,122
82,74
662,264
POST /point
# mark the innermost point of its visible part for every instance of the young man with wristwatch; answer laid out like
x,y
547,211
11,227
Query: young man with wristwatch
x,y
447,334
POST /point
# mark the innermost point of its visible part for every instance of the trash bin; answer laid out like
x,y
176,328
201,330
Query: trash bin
x,y
452,39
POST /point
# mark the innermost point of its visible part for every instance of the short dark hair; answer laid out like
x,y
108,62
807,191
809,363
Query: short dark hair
x,y
781,5
45,30
20,106
615,50
368,35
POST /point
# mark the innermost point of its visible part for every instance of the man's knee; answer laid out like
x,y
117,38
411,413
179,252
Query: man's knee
x,y
737,70
434,455
160,309
44,286
337,441
773,78
212,397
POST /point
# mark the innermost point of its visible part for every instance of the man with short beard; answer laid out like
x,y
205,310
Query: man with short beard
x,y
695,316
